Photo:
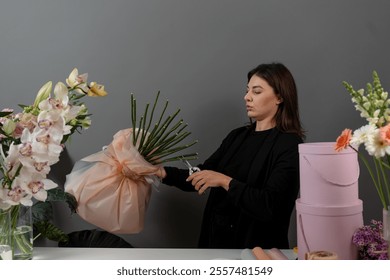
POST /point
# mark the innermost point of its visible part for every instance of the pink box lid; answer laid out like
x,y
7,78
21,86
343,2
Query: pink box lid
x,y
321,210
322,148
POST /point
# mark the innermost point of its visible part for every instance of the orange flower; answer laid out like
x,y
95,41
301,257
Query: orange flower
x,y
384,134
343,140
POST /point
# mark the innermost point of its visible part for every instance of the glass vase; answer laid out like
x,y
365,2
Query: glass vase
x,y
386,230
5,235
22,229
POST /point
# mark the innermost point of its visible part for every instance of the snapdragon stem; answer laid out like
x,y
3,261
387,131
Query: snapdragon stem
x,y
385,181
374,180
376,183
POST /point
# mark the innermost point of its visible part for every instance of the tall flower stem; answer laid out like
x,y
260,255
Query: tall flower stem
x,y
375,179
385,191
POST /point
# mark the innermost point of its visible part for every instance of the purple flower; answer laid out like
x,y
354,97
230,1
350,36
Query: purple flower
x,y
370,242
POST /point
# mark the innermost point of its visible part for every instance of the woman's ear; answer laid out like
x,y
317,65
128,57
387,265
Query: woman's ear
x,y
280,100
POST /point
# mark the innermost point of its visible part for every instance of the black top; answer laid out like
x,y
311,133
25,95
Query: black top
x,y
257,208
238,166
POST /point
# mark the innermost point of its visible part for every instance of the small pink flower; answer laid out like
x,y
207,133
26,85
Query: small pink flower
x,y
384,134
343,140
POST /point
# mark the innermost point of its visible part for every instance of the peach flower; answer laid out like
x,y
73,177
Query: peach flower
x,y
343,140
384,134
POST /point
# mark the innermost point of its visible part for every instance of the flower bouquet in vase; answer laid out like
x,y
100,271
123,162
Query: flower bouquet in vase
x,y
373,105
31,142
113,186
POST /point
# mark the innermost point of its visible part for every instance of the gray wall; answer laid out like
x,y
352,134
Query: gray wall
x,y
197,53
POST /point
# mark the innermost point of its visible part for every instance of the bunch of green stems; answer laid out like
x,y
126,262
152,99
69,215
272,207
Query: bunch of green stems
x,y
161,143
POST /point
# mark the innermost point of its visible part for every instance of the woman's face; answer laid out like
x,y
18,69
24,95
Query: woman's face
x,y
261,101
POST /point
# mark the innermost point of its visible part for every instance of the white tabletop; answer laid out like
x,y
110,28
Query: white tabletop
x,y
63,253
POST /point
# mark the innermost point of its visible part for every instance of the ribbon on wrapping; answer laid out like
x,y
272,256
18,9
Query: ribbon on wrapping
x,y
113,187
320,255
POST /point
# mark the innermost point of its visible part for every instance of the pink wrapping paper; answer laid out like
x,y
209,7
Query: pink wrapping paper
x,y
114,188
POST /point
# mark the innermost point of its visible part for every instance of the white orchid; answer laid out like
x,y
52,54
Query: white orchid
x,y
36,185
60,100
34,138
16,194
53,121
78,82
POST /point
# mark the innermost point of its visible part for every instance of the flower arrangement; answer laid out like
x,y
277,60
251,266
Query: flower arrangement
x,y
156,145
373,105
370,242
32,141
120,177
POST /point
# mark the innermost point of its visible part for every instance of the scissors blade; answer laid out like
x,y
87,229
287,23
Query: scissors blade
x,y
186,163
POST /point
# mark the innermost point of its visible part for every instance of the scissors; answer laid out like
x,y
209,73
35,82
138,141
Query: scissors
x,y
191,169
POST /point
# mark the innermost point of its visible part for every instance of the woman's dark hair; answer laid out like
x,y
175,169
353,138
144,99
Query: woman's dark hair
x,y
281,80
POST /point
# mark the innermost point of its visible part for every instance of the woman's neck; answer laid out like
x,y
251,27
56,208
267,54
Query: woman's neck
x,y
260,126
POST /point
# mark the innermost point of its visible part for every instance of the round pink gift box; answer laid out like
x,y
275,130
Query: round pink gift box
x,y
328,228
328,177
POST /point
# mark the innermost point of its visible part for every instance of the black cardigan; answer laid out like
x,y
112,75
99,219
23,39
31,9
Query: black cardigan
x,y
252,213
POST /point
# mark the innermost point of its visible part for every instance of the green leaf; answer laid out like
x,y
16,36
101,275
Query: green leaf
x,y
94,239
56,194
4,114
42,211
51,232
72,202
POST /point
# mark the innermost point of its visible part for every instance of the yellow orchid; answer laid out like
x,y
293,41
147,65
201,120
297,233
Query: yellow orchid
x,y
96,89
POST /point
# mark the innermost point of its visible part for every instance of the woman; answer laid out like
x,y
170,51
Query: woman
x,y
253,176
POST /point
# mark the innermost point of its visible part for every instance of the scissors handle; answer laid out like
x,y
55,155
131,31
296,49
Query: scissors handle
x,y
191,169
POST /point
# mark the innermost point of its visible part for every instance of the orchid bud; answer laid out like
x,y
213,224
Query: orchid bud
x,y
9,126
43,93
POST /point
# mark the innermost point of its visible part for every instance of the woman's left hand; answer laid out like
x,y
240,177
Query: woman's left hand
x,y
202,180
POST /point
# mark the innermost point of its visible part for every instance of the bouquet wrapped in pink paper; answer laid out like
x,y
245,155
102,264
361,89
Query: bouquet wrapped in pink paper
x,y
113,186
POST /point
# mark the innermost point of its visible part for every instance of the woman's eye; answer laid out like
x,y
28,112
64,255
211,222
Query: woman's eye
x,y
257,92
